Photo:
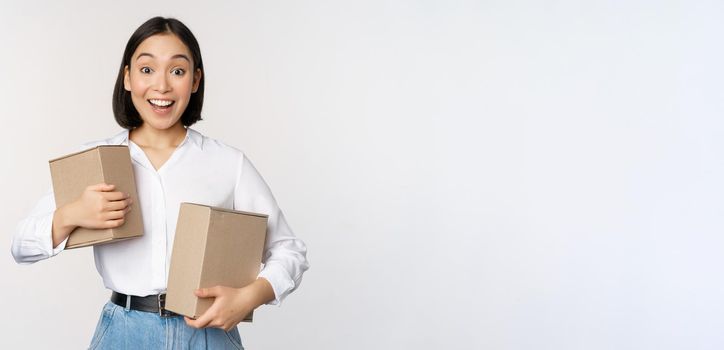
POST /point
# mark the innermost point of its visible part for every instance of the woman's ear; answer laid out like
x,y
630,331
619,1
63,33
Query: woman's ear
x,y
197,79
126,79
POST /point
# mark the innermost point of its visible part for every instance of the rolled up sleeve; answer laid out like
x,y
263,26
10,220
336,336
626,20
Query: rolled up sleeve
x,y
33,238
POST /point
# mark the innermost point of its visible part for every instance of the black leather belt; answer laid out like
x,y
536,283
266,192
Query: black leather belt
x,y
152,303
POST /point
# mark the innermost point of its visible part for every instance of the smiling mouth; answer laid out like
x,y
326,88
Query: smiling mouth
x,y
161,104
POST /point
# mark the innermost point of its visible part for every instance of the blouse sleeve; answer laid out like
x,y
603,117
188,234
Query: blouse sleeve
x,y
284,259
33,239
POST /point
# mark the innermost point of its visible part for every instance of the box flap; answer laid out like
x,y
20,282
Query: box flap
x,y
83,151
229,210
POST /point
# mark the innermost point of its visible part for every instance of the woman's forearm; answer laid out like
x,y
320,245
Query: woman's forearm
x,y
262,291
62,227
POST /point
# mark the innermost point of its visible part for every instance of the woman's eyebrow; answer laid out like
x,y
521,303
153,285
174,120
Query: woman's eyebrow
x,y
172,57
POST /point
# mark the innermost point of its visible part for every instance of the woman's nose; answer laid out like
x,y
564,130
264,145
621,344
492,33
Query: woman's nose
x,y
161,84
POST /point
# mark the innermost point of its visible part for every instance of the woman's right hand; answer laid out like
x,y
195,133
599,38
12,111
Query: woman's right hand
x,y
98,207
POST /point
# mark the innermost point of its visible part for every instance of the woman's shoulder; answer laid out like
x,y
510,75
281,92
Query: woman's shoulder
x,y
213,146
120,138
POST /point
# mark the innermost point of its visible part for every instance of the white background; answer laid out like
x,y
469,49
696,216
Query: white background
x,y
467,175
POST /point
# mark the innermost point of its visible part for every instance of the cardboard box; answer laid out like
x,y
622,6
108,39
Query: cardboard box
x,y
110,164
212,246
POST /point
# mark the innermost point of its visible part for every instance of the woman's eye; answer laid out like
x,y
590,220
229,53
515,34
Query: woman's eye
x,y
145,70
178,71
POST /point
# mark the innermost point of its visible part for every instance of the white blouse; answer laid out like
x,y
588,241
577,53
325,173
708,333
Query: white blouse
x,y
201,170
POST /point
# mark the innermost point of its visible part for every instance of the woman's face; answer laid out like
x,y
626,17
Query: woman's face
x,y
161,79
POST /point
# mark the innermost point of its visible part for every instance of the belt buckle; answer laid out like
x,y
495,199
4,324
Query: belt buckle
x,y
162,306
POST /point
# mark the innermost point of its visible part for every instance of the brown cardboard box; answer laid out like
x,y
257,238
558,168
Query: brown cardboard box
x,y
110,164
213,246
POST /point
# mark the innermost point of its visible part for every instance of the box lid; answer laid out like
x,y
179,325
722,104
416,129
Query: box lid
x,y
228,210
83,151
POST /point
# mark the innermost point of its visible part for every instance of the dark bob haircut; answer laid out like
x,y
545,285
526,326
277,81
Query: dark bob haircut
x,y
126,114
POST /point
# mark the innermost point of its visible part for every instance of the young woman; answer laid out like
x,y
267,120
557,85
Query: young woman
x,y
158,95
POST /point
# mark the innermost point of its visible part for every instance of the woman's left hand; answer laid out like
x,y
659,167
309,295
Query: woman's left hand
x,y
231,305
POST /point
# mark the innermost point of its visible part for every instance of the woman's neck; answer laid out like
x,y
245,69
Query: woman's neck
x,y
149,137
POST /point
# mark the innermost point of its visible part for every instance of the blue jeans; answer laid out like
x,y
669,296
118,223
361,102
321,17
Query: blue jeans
x,y
119,328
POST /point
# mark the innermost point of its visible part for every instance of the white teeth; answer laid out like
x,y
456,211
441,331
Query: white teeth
x,y
160,103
